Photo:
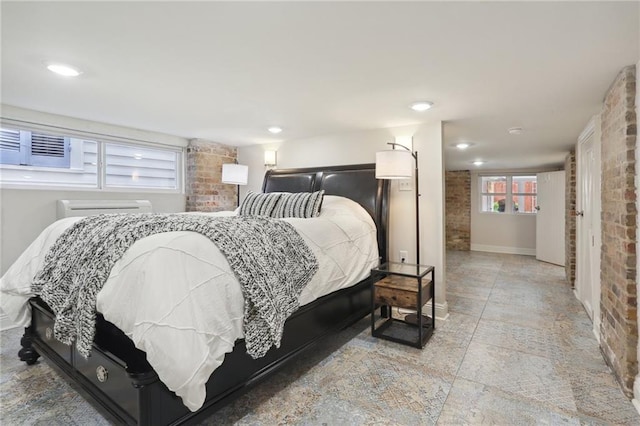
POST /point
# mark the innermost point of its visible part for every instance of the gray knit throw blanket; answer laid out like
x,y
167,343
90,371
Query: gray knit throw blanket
x,y
268,256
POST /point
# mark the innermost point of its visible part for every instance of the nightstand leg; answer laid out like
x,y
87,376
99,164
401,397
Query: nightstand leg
x,y
373,306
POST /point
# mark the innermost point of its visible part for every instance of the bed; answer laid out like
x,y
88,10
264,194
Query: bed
x,y
119,381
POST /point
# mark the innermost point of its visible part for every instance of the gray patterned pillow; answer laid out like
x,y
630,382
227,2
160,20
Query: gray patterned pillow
x,y
258,204
299,204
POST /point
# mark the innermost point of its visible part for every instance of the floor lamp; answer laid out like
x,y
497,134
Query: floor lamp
x,y
397,164
235,174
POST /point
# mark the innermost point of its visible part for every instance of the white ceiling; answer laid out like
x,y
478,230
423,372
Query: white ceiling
x,y
227,71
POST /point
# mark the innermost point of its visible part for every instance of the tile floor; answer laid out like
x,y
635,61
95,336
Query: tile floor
x,y
532,357
517,349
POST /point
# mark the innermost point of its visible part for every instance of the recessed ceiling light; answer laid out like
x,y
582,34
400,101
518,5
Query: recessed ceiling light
x,y
463,146
478,163
515,130
421,106
64,70
275,129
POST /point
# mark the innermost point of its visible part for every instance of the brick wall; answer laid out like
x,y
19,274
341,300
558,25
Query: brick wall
x,y
570,217
458,210
619,328
205,192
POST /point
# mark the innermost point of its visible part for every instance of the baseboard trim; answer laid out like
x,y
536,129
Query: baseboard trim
x,y
6,323
636,393
503,249
636,404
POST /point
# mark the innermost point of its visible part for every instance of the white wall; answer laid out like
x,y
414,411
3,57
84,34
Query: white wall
x,y
360,147
24,213
37,120
500,232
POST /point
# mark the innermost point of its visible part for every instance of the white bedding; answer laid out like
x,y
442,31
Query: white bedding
x,y
176,297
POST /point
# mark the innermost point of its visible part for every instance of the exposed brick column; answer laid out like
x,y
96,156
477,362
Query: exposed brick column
x,y
458,210
205,192
619,327
570,217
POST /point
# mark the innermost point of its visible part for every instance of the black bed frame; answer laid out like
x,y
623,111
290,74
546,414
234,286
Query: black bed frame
x,y
119,382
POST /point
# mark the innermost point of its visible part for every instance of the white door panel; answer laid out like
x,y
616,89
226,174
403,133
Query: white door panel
x,y
587,285
550,217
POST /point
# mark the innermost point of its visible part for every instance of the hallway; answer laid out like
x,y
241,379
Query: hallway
x,y
532,357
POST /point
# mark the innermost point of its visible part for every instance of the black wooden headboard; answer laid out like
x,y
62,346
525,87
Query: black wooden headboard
x,y
357,182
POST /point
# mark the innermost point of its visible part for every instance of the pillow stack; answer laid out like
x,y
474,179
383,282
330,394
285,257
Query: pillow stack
x,y
283,204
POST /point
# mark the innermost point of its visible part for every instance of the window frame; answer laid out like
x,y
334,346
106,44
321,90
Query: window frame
x,y
102,141
509,206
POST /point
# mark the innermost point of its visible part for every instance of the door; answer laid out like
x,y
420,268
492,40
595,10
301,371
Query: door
x,y
587,286
550,218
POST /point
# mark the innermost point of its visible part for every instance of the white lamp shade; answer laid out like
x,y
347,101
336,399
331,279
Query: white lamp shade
x,y
394,164
235,174
270,158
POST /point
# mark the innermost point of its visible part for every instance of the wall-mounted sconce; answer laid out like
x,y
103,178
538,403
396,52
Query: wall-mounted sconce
x,y
270,158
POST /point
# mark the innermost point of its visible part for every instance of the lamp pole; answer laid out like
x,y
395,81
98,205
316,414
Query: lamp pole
x,y
414,154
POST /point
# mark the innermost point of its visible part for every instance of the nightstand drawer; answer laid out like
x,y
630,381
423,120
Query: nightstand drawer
x,y
401,292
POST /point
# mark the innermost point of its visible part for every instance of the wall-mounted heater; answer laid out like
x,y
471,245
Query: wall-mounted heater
x,y
69,208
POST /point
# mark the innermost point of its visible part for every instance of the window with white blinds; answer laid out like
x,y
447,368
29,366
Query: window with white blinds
x,y
140,167
34,158
27,148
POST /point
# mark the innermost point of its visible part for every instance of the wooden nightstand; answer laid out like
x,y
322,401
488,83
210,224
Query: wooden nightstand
x,y
404,285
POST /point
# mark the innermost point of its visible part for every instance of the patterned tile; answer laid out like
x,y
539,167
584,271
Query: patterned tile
x,y
465,305
485,405
531,340
520,297
517,373
603,400
516,315
459,327
36,395
471,290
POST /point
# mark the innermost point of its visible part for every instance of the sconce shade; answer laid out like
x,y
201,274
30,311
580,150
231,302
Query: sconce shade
x,y
235,174
270,158
394,164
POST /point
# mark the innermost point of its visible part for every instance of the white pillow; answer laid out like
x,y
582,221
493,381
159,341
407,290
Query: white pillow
x,y
334,205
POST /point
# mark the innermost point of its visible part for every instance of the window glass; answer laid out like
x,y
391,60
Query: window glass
x,y
493,203
494,193
524,204
510,194
22,147
494,184
135,166
524,185
37,158
49,160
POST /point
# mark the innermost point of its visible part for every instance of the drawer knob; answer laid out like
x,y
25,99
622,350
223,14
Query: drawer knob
x,y
48,333
102,374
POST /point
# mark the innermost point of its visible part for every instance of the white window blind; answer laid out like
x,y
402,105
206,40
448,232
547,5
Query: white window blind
x,y
134,166
35,158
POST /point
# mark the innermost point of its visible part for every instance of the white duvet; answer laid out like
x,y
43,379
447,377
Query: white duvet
x,y
176,297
